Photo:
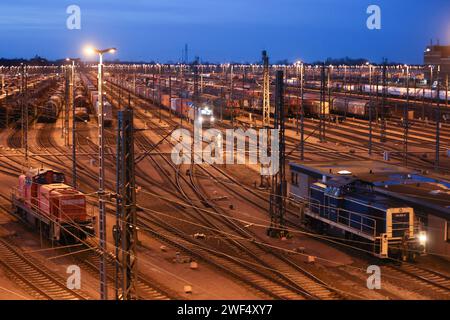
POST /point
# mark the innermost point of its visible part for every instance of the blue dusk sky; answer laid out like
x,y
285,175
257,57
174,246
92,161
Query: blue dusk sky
x,y
227,30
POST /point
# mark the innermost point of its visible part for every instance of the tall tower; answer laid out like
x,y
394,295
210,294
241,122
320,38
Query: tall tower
x,y
266,90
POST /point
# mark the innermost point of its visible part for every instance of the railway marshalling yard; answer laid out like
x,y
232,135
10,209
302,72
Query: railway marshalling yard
x,y
202,228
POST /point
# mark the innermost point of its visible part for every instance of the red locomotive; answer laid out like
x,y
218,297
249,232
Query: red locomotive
x,y
59,210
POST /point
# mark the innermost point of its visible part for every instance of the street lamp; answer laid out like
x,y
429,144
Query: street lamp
x,y
101,189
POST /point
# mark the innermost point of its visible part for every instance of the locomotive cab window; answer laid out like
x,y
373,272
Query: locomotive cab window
x,y
58,178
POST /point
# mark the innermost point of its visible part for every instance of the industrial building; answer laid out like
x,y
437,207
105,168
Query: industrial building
x,y
437,55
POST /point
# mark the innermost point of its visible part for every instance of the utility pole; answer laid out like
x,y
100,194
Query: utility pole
x,y
279,184
266,90
69,104
196,91
370,109
159,93
170,95
72,104
383,104
446,90
323,85
181,94
101,189
302,113
438,121
24,109
406,124
66,103
265,111
231,95
125,230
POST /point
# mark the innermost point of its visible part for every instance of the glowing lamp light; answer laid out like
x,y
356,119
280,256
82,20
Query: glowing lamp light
x,y
423,238
89,51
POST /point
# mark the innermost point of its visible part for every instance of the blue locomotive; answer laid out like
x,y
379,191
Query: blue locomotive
x,y
348,207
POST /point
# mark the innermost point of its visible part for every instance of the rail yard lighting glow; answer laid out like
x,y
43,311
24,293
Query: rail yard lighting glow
x,y
89,51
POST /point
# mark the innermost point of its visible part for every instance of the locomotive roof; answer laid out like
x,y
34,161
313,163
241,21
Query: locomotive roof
x,y
364,195
340,181
364,170
37,171
433,197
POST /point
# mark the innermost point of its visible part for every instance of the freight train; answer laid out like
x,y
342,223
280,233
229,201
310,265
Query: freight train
x,y
11,106
391,91
81,105
201,114
43,200
49,112
81,108
93,99
334,107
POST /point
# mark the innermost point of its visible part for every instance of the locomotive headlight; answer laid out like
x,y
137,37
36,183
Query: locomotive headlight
x,y
423,238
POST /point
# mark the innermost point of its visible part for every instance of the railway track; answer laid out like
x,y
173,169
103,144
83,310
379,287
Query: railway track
x,y
38,280
357,140
290,273
146,289
433,280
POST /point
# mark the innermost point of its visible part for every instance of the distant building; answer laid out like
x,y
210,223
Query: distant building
x,y
437,55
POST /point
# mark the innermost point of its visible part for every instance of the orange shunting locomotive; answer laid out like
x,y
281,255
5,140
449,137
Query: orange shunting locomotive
x,y
57,209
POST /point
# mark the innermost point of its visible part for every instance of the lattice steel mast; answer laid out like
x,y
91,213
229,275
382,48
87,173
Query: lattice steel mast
x,y
279,184
125,230
266,90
